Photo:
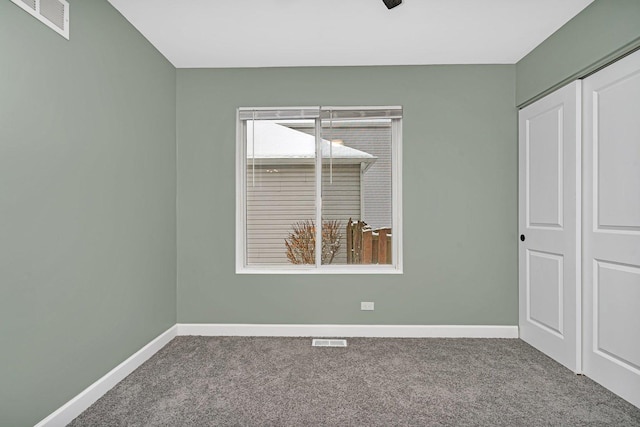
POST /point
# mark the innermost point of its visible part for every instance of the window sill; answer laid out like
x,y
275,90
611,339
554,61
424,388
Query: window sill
x,y
344,269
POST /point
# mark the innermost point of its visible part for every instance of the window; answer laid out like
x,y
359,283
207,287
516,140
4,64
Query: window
x,y
335,166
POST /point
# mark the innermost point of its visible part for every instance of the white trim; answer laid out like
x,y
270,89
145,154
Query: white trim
x,y
396,193
318,177
363,169
74,407
373,331
241,183
360,107
300,107
325,269
70,410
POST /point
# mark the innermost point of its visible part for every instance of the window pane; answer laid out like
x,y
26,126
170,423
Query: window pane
x,y
280,193
356,191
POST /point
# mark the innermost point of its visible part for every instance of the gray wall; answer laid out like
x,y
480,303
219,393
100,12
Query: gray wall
x,y
460,241
87,204
602,32
87,192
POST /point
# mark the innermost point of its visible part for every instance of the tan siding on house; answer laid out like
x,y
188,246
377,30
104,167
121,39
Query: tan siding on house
x,y
283,195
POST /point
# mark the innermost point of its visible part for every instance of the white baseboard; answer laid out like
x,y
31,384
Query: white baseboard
x,y
70,410
382,331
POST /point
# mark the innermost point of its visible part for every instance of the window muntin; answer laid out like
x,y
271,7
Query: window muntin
x,y
281,197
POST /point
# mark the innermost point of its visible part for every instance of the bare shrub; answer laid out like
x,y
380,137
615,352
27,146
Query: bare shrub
x,y
301,243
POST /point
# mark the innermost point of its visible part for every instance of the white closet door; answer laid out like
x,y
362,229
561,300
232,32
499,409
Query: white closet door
x,y
612,227
549,200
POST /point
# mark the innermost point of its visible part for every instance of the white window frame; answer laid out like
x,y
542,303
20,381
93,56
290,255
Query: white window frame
x,y
396,197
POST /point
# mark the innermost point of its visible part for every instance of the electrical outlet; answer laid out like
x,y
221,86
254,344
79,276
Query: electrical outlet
x,y
366,306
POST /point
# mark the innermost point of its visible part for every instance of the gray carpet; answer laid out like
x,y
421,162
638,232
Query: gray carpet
x,y
204,381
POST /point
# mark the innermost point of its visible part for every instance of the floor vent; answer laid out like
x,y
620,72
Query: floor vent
x,y
53,13
329,343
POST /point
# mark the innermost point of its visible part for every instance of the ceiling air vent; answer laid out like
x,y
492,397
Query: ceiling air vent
x,y
53,13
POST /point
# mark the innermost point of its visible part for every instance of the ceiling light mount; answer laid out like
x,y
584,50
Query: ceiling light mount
x,y
392,3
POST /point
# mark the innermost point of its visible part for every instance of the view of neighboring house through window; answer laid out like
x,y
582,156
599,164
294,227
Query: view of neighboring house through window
x,y
334,166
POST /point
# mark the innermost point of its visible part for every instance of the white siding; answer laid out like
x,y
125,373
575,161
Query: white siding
x,y
377,179
283,195
374,139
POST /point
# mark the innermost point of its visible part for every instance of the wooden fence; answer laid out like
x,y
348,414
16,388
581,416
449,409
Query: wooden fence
x,y
367,246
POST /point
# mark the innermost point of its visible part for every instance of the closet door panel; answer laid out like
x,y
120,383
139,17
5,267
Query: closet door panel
x,y
611,251
549,198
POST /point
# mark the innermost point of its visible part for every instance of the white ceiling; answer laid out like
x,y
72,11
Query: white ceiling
x,y
275,33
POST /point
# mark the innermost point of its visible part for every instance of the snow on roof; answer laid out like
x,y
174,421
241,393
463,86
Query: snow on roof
x,y
275,141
